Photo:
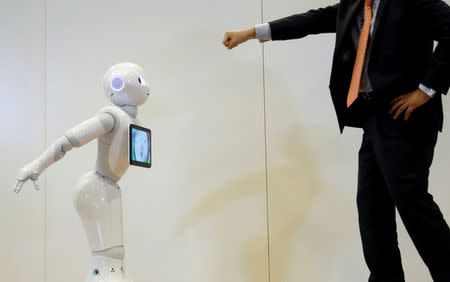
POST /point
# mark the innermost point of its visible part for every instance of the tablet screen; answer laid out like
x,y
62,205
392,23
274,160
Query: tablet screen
x,y
140,146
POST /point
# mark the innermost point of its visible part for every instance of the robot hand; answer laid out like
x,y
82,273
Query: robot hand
x,y
28,172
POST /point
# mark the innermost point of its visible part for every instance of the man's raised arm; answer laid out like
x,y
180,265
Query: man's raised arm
x,y
322,20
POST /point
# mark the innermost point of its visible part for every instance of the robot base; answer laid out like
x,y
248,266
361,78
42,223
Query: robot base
x,y
104,269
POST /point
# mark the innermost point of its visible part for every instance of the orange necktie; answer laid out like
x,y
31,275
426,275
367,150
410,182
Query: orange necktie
x,y
360,54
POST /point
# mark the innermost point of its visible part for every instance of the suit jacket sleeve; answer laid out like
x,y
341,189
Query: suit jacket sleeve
x,y
322,20
435,15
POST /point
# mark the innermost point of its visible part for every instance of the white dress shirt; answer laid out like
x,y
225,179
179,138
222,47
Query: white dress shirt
x,y
264,33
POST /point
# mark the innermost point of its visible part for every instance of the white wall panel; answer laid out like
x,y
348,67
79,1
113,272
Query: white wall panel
x,y
199,213
313,170
21,137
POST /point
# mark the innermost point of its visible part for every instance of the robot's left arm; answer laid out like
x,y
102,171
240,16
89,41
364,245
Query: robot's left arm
x,y
78,136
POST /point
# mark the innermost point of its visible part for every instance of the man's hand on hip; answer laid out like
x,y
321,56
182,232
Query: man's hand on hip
x,y
408,103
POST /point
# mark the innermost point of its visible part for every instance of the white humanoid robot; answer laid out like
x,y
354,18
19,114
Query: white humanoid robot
x,y
98,197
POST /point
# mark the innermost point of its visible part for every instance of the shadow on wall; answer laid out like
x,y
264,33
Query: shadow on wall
x,y
296,184
293,184
295,188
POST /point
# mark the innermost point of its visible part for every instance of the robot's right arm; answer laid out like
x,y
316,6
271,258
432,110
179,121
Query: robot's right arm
x,y
78,136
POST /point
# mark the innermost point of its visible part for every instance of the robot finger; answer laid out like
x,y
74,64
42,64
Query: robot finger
x,y
36,185
18,186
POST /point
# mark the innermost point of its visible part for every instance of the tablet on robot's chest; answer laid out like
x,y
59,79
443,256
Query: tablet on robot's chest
x,y
140,146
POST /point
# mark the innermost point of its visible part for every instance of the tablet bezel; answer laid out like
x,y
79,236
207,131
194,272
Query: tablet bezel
x,y
130,141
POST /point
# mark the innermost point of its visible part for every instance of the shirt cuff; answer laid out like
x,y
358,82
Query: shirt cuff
x,y
263,32
430,92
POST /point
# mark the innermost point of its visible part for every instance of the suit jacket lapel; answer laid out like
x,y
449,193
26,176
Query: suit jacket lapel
x,y
381,8
379,15
345,25
349,16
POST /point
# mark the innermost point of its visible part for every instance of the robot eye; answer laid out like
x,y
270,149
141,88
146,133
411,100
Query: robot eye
x,y
141,80
117,83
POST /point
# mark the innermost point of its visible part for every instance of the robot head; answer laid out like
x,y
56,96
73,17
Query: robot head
x,y
125,85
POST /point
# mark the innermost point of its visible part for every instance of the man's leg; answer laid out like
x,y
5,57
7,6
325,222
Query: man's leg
x,y
405,153
377,218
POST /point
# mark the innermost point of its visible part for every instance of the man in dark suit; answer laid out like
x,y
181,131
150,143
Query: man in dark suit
x,y
384,49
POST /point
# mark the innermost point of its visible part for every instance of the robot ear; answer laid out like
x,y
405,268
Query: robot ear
x,y
141,80
117,83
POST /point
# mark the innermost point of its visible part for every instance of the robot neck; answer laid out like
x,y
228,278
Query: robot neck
x,y
131,110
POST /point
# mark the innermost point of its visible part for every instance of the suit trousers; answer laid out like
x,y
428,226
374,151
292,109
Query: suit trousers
x,y
394,164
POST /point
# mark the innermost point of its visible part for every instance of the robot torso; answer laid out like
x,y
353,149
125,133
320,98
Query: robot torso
x,y
113,151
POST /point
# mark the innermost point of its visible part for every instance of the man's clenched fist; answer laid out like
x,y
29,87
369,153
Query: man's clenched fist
x,y
234,38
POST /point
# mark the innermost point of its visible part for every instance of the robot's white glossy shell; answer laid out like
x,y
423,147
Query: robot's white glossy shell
x,y
125,84
98,202
113,158
105,269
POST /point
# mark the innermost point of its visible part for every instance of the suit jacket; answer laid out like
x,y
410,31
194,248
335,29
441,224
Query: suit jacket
x,y
400,49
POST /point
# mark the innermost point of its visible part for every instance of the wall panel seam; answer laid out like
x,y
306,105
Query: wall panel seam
x,y
45,135
265,148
